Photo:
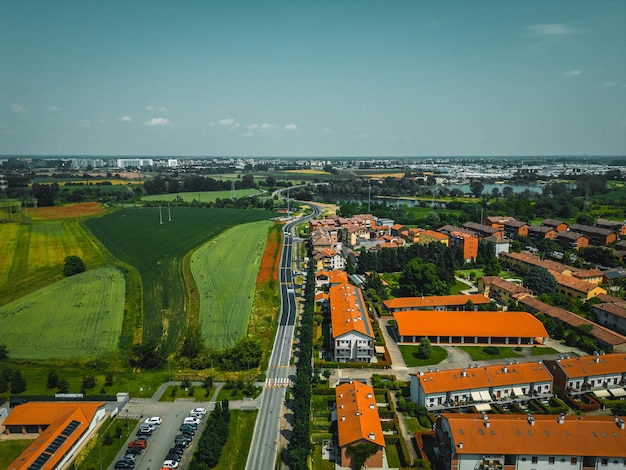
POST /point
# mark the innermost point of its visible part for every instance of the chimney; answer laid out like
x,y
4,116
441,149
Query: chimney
x,y
620,423
561,419
372,436
343,418
464,373
487,423
461,445
504,370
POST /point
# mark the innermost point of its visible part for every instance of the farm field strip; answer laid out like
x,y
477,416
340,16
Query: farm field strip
x,y
203,196
79,316
9,235
156,250
225,271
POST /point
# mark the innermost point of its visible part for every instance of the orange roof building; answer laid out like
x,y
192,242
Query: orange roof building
x,y
62,428
603,374
331,277
470,441
456,327
467,242
430,236
358,422
351,330
480,385
435,302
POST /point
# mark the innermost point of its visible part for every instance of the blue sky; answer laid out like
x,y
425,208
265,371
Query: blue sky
x,y
313,78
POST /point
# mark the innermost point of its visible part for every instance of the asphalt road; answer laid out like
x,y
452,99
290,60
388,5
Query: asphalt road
x,y
264,446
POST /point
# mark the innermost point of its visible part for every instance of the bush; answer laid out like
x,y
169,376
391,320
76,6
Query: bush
x,y
491,350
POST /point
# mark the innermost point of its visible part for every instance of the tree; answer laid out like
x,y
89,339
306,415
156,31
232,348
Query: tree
x,y
361,452
193,344
4,351
45,193
539,281
476,187
420,278
18,383
89,381
424,349
73,265
147,355
53,379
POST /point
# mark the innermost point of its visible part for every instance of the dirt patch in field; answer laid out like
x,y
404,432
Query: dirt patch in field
x,y
268,271
69,211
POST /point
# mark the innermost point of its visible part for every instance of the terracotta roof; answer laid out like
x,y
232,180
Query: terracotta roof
x,y
357,414
418,303
540,228
515,223
514,434
551,222
533,260
71,419
569,318
591,229
348,311
614,309
480,227
334,277
574,283
505,285
570,235
448,323
483,377
587,366
433,234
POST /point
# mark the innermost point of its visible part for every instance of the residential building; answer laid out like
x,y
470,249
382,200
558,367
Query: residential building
x,y
351,330
577,288
617,227
602,374
435,302
483,230
607,339
501,290
504,328
612,315
540,232
530,442
358,422
515,228
468,243
556,225
500,244
572,240
63,427
330,278
597,236
430,236
480,386
497,221
328,259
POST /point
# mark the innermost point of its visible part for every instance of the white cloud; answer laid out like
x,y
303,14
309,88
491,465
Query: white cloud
x,y
125,119
228,122
252,126
290,127
54,109
149,108
18,108
327,131
162,108
572,73
248,134
608,84
163,122
266,126
551,29
84,123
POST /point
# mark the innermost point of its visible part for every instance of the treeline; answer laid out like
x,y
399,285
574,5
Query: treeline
x,y
299,447
194,183
213,438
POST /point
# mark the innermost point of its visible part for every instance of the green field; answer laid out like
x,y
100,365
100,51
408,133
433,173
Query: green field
x,y
225,271
411,358
77,317
156,250
240,430
203,196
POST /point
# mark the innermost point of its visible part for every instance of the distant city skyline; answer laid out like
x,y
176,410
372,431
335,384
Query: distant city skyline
x,y
317,79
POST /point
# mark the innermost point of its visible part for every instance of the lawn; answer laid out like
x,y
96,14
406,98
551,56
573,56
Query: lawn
x,y
237,393
96,455
156,250
225,272
240,430
458,287
203,196
478,352
32,254
79,316
409,353
199,393
10,450
542,351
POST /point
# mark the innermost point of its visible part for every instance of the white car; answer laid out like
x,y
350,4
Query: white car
x,y
197,412
170,464
153,420
191,420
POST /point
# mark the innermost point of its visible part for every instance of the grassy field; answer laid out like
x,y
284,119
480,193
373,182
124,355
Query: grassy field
x,y
156,250
225,271
10,450
32,254
203,196
409,353
77,317
90,457
478,353
240,430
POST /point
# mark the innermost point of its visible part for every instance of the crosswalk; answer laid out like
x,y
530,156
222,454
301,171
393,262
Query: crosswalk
x,y
278,382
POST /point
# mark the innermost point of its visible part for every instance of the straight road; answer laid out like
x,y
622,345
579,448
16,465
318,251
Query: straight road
x,y
264,446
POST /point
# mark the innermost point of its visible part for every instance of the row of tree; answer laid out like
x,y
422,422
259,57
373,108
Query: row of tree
x,y
213,438
299,447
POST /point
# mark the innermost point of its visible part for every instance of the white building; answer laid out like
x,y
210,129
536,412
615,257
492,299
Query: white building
x,y
351,330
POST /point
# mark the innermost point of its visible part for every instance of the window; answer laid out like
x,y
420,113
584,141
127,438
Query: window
x,y
551,460
534,460
523,459
573,461
604,462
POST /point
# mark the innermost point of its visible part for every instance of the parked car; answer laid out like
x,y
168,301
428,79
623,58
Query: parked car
x,y
146,428
191,420
123,464
141,443
174,456
170,464
133,451
197,412
187,429
182,444
175,450
153,420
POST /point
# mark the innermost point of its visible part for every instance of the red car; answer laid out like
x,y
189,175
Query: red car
x,y
141,443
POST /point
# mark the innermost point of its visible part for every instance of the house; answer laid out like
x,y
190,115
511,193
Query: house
x,y
612,315
468,243
480,386
556,225
435,302
602,374
328,259
540,232
617,227
500,244
63,427
501,290
572,240
597,236
497,221
483,230
330,278
525,442
358,422
351,330
397,229
515,228
593,276
430,236
503,328
607,339
577,288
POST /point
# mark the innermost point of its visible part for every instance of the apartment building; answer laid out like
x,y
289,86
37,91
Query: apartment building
x,y
351,330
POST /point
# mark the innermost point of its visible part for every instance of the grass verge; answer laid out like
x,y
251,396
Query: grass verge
x,y
409,353
240,430
478,353
98,455
10,450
